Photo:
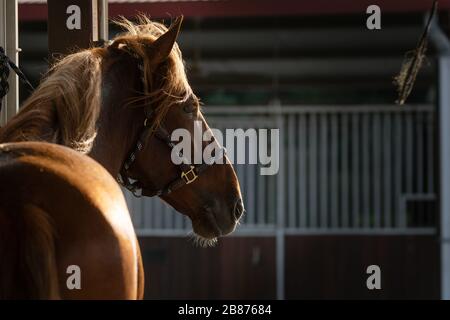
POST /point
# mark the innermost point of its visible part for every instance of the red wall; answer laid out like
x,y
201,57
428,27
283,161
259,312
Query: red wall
x,y
317,267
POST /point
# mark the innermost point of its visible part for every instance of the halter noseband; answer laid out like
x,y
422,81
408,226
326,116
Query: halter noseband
x,y
189,173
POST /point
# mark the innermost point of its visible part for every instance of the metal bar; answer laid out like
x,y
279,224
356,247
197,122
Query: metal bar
x,y
302,171
444,142
280,245
12,51
157,212
272,201
147,214
151,216
334,173
178,224
387,165
324,186
250,192
103,15
419,137
366,199
10,42
400,169
251,172
3,30
95,20
262,198
430,152
312,166
356,190
376,156
166,216
409,153
345,172
291,177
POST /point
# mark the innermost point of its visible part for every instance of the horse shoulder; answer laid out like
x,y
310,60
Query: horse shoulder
x,y
87,209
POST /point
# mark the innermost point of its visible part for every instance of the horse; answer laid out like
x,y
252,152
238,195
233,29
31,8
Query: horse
x,y
60,208
118,104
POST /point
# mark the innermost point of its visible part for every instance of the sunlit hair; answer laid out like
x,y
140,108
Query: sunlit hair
x,y
64,109
174,87
202,242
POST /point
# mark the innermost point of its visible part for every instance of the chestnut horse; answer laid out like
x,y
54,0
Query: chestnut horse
x,y
60,208
118,104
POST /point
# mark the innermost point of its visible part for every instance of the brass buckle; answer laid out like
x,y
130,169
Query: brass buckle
x,y
189,176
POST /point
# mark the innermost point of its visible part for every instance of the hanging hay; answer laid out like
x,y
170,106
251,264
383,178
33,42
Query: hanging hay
x,y
413,62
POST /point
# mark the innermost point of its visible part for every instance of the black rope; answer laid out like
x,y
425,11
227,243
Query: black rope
x,y
5,65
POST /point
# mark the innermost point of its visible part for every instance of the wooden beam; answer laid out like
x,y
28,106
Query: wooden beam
x,y
235,8
75,24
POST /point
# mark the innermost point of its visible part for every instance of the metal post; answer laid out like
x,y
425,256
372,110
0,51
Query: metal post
x,y
444,139
103,15
9,41
440,41
280,231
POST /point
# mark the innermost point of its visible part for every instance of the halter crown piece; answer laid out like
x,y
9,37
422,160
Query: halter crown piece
x,y
189,173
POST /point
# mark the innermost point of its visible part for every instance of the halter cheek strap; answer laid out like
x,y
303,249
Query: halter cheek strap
x,y
189,173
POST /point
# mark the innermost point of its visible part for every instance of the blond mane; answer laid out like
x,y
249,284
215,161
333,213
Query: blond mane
x,y
65,107
175,87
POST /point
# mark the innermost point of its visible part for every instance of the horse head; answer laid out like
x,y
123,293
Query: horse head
x,y
145,83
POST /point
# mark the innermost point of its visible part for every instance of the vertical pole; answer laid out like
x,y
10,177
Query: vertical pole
x,y
444,140
9,41
103,15
280,226
3,44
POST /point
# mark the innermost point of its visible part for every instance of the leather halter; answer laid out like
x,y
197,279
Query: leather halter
x,y
189,173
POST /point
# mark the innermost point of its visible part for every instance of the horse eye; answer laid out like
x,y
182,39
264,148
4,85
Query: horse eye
x,y
189,108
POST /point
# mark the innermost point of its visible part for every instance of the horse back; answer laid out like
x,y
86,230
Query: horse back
x,y
77,213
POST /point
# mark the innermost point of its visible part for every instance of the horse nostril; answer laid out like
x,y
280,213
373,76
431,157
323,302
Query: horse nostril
x,y
238,209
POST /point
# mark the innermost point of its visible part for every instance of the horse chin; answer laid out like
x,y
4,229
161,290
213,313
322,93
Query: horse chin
x,y
201,241
205,232
206,229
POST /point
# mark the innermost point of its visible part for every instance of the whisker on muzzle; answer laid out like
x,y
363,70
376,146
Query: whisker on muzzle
x,y
202,242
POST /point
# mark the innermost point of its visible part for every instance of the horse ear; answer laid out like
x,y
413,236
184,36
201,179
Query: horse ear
x,y
162,47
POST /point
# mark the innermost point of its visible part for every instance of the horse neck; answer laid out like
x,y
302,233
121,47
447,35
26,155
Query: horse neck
x,y
116,129
117,126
